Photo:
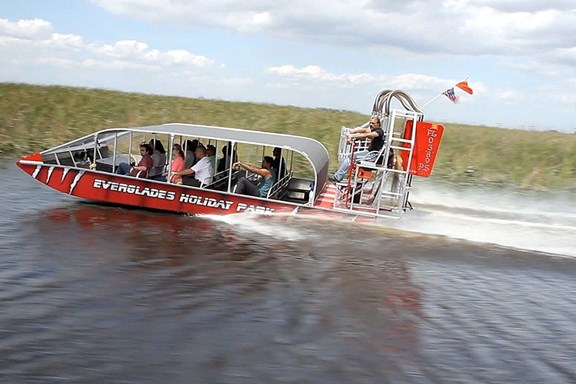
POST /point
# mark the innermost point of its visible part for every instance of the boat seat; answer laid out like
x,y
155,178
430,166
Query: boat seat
x,y
219,185
159,177
364,173
222,183
376,159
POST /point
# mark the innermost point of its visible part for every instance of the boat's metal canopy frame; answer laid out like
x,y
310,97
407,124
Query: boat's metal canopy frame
x,y
309,148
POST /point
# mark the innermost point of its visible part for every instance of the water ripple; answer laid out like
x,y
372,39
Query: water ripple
x,y
94,294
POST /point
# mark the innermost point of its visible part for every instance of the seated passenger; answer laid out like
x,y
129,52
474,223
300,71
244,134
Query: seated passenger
x,y
229,157
178,164
279,163
267,178
81,159
202,171
189,150
211,153
143,167
376,135
159,158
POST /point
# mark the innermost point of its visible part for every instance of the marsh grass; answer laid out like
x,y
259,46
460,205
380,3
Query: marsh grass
x,y
33,118
528,159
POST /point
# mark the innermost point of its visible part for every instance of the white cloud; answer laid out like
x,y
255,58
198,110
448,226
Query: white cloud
x,y
68,40
512,6
412,81
317,73
567,56
34,38
118,64
34,29
182,57
58,62
407,81
535,67
336,54
141,52
564,94
472,27
509,96
123,48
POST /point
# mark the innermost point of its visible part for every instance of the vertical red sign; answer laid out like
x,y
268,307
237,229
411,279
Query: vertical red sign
x,y
426,145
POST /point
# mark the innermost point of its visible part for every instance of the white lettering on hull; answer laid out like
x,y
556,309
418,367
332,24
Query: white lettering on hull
x,y
205,201
186,198
242,207
134,189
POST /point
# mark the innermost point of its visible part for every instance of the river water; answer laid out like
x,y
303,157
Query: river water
x,y
473,286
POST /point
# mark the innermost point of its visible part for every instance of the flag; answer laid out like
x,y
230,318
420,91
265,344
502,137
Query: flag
x,y
449,93
463,85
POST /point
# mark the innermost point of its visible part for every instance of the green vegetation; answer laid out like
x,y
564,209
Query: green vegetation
x,y
528,159
33,118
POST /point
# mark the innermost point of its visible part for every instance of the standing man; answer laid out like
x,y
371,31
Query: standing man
x,y
202,171
375,132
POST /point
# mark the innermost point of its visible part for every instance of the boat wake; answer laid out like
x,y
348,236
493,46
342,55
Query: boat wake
x,y
528,221
535,221
251,223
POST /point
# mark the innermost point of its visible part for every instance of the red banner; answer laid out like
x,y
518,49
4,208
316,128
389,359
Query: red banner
x,y
426,145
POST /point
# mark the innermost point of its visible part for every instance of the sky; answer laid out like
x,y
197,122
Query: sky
x,y
519,57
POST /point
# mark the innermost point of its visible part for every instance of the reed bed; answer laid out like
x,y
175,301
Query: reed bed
x,y
33,118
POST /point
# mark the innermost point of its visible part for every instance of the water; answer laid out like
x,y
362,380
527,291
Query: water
x,y
538,221
472,287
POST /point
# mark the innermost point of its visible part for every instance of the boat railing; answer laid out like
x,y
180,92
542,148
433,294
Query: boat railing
x,y
221,175
379,184
220,183
346,148
279,187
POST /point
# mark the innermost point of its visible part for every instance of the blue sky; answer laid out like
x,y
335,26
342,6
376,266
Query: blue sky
x,y
518,56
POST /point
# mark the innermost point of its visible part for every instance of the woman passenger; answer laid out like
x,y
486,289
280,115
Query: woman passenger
x,y
267,178
178,164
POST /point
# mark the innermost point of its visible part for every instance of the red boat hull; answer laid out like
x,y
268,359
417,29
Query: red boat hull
x,y
130,191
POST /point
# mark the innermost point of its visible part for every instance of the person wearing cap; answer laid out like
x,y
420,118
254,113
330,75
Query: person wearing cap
x,y
202,171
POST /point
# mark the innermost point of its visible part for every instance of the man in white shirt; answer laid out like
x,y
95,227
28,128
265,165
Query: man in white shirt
x,y
202,171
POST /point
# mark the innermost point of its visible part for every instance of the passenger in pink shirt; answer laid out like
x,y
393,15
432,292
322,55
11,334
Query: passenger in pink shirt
x,y
178,164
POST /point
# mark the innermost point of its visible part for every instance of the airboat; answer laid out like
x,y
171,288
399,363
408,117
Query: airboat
x,y
86,167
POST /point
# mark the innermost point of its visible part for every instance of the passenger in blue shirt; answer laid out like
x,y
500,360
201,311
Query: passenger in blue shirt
x,y
267,178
